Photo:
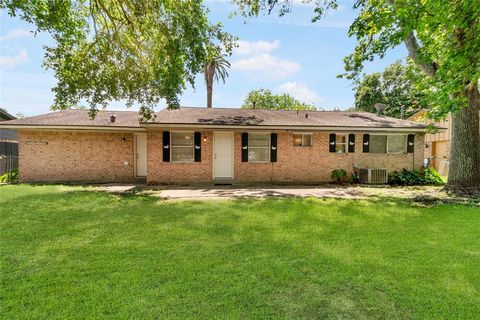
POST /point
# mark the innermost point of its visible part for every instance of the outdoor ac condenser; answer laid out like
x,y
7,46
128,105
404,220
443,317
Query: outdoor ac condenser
x,y
373,176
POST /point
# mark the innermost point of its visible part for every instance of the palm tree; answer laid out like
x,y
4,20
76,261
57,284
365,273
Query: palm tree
x,y
216,69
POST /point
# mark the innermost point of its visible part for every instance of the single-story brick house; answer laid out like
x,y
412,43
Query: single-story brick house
x,y
200,145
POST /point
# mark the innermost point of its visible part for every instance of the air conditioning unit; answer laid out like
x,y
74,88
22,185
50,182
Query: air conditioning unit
x,y
373,176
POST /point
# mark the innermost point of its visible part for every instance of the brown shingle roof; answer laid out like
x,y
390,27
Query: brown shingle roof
x,y
280,118
220,117
78,117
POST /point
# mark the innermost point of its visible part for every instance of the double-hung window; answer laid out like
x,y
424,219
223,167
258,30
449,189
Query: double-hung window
x,y
258,147
302,139
341,143
182,147
390,144
378,144
396,144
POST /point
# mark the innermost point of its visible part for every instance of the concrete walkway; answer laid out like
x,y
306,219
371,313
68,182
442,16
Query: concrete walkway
x,y
228,192
231,192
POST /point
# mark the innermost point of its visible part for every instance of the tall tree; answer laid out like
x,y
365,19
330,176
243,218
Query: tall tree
x,y
137,51
215,69
265,99
396,87
442,39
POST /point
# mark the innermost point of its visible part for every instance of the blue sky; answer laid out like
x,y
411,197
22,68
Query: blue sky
x,y
285,54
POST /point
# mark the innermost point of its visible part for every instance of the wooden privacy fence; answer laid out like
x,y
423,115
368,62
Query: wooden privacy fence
x,y
8,148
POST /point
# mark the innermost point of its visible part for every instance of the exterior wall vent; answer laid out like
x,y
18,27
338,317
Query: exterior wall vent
x,y
373,176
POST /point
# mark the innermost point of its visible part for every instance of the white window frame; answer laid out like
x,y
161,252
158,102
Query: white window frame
x,y
303,134
173,146
269,146
405,138
346,142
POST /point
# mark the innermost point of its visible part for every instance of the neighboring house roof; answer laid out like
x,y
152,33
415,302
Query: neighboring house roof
x,y
7,135
419,116
4,115
220,117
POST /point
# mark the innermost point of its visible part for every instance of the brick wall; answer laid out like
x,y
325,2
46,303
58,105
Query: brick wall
x,y
159,172
295,164
75,156
315,164
106,156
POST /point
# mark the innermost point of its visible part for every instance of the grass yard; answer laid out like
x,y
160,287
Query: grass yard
x,y
69,252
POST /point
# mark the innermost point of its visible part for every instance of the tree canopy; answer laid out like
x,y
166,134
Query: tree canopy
x,y
137,51
396,87
265,99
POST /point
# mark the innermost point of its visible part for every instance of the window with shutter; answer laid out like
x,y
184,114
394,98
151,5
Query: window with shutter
x,y
182,147
198,146
245,147
166,146
273,147
259,147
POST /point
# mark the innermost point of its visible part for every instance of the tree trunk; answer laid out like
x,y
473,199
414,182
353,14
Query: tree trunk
x,y
209,94
464,171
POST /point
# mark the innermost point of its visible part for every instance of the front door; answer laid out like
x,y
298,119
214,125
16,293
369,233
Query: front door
x,y
223,155
141,155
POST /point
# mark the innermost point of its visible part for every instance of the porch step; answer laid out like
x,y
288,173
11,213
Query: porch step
x,y
223,181
142,180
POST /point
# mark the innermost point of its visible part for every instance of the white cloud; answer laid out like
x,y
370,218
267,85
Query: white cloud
x,y
255,47
14,34
301,92
267,65
12,61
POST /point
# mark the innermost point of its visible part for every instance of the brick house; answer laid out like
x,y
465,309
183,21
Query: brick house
x,y
200,145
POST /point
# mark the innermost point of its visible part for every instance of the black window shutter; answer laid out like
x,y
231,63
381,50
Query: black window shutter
x,y
332,142
366,143
410,143
244,147
351,142
273,147
198,146
166,146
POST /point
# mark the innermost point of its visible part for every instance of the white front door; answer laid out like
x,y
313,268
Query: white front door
x,y
141,154
223,155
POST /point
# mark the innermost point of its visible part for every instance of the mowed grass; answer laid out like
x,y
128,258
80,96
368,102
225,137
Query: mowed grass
x,y
67,252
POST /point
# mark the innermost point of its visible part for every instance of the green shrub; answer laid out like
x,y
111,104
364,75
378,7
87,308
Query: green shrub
x,y
433,176
339,175
11,176
405,177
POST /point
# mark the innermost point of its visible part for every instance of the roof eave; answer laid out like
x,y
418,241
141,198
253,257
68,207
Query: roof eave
x,y
74,127
220,127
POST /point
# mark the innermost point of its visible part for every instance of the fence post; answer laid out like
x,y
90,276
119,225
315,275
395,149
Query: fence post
x,y
9,171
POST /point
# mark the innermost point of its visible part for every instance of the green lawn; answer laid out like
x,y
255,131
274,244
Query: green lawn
x,y
67,252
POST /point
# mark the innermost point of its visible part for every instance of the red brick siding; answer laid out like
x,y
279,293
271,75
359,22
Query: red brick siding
x,y
159,172
294,164
75,156
102,156
315,164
